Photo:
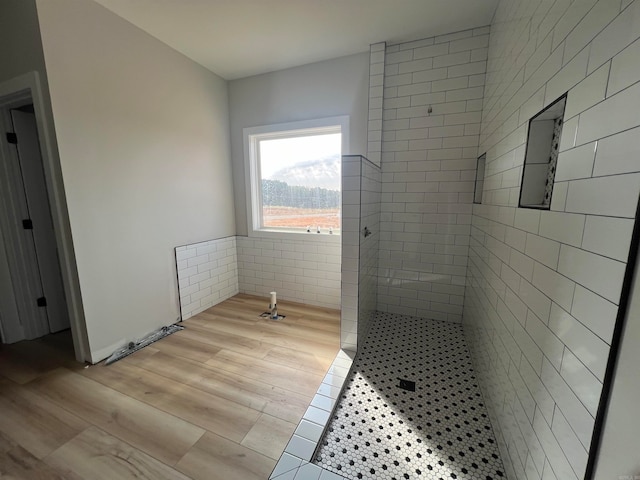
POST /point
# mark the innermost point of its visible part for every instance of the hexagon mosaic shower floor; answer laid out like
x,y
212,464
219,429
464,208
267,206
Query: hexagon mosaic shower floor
x,y
438,432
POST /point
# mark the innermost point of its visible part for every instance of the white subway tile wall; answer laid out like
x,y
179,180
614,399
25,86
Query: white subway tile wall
x,y
376,87
370,193
351,180
360,210
207,274
305,270
432,111
543,287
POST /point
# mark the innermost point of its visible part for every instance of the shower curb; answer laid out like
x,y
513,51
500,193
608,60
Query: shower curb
x,y
295,461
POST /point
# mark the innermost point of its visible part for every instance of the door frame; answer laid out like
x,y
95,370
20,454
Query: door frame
x,y
29,86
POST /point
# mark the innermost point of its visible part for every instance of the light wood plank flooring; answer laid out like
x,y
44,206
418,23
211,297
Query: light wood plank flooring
x,y
218,400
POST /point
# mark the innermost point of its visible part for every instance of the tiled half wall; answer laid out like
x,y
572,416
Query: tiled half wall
x,y
305,271
360,210
207,274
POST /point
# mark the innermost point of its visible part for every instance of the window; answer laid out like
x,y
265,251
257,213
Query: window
x,y
294,181
479,186
541,157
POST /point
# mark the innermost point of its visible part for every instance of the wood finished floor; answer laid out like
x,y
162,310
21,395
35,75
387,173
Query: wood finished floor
x,y
218,400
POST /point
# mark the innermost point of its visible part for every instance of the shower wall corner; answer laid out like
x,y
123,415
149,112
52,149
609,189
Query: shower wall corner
x,y
361,191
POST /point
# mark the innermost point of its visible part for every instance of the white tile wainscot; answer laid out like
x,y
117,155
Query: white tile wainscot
x,y
305,270
207,274
295,462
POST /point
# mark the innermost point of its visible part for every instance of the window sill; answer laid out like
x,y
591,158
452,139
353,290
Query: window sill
x,y
297,236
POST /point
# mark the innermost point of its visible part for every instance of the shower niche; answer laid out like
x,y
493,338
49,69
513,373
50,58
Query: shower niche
x,y
541,157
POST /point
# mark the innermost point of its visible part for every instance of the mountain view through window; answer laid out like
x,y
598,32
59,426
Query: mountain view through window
x,y
300,182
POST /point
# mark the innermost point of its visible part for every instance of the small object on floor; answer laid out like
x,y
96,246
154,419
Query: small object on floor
x,y
407,385
148,340
268,315
273,309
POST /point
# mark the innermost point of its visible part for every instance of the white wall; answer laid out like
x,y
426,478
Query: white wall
x,y
428,171
543,286
324,89
304,270
144,146
20,49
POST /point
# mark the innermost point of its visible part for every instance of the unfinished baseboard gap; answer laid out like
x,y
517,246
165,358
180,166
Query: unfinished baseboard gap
x,y
140,344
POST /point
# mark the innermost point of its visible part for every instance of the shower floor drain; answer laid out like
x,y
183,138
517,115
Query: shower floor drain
x,y
440,431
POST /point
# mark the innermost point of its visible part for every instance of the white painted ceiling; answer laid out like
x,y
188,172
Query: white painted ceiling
x,y
240,38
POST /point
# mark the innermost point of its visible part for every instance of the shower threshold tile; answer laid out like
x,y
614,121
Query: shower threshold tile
x,y
334,380
329,390
310,431
300,447
308,471
316,415
439,431
286,464
322,402
294,462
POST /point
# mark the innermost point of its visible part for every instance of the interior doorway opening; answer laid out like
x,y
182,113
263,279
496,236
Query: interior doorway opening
x,y
39,285
34,302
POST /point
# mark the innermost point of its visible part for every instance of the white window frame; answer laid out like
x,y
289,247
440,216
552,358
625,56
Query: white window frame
x,y
251,137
